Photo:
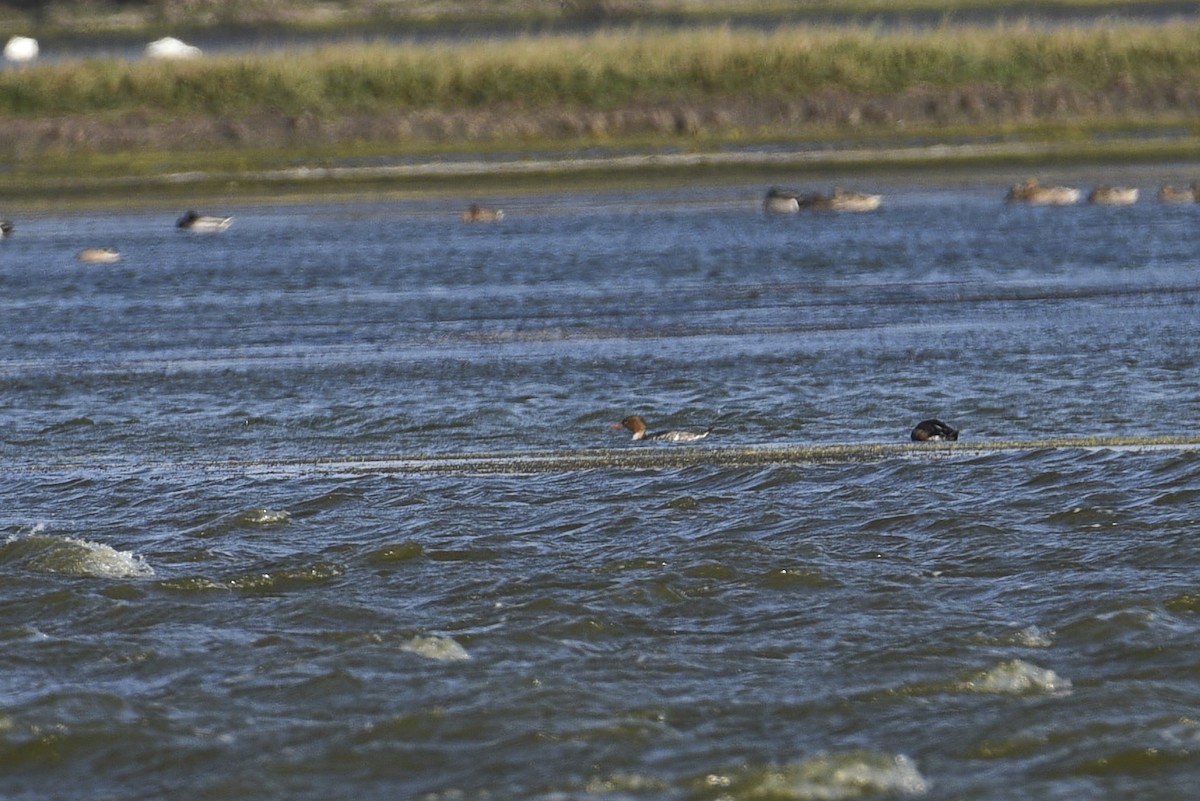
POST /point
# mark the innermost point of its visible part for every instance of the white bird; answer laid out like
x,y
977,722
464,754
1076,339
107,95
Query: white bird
x,y
21,49
169,47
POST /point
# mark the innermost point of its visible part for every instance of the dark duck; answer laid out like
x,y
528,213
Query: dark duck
x,y
933,431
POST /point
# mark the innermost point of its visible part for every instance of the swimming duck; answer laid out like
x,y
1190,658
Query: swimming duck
x,y
933,431
202,223
477,214
1104,195
1171,194
99,255
1030,191
637,425
6,228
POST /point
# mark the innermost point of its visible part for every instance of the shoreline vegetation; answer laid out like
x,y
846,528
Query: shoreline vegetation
x,y
791,96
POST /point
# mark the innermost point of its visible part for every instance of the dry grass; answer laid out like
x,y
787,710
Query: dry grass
x,y
610,70
718,82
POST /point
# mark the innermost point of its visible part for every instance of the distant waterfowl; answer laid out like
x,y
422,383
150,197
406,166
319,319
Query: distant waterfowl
x,y
6,228
781,201
784,201
170,48
1030,191
99,255
21,49
203,223
844,200
477,214
637,425
933,431
1170,194
1104,195
840,200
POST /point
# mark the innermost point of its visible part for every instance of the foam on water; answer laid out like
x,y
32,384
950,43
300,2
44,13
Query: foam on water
x,y
73,557
1016,677
828,777
265,517
255,517
441,649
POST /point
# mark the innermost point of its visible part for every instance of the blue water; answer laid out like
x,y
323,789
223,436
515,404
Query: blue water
x,y
247,554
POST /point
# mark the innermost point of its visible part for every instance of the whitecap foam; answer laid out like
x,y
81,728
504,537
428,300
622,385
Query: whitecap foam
x,y
1016,677
265,517
830,777
77,557
1033,637
442,649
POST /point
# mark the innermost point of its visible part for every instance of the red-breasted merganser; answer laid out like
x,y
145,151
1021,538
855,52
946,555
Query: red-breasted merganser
x,y
638,426
933,431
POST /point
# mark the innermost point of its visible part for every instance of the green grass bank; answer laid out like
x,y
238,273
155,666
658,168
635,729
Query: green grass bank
x,y
1111,90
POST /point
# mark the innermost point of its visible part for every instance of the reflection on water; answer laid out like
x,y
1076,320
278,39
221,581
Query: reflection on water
x,y
230,567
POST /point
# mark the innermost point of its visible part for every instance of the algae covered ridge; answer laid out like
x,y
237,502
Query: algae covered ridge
x,y
656,457
1114,88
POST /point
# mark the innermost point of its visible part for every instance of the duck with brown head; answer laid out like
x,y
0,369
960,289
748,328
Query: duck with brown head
x,y
637,425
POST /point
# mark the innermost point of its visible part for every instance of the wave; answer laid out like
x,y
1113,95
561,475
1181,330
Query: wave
x,y
826,777
46,553
255,517
441,649
1015,677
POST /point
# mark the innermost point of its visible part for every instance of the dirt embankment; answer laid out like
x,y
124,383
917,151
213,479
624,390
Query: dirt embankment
x,y
820,114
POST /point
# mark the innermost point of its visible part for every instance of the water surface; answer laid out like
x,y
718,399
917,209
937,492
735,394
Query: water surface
x,y
224,574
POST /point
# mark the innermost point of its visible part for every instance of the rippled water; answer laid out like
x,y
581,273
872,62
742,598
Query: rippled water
x,y
201,598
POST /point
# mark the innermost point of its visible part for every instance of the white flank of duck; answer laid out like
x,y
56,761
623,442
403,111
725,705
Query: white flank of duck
x,y
781,201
